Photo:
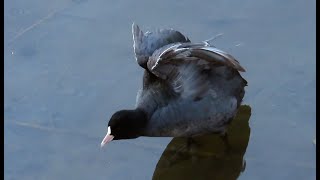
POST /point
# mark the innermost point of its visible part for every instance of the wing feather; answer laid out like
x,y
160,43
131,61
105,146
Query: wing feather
x,y
182,65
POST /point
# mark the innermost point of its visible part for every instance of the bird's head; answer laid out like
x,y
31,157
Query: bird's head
x,y
125,124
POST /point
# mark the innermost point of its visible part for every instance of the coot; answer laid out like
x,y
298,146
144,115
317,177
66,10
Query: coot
x,y
189,89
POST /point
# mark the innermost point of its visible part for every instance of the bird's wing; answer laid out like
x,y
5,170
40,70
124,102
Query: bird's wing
x,y
144,44
182,64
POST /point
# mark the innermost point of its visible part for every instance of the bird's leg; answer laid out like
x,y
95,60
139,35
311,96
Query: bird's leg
x,y
185,150
225,139
190,141
186,147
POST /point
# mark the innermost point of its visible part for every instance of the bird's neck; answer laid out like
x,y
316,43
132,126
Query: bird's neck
x,y
140,118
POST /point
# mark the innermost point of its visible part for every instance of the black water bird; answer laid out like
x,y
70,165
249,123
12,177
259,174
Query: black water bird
x,y
189,89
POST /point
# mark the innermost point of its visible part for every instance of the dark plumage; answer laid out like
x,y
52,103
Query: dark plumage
x,y
189,89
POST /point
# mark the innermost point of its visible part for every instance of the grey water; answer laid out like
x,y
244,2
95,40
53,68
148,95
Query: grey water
x,y
68,65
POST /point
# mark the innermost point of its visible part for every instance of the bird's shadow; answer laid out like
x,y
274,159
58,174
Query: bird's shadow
x,y
207,158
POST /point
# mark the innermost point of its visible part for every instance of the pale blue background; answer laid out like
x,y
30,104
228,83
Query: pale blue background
x,y
68,65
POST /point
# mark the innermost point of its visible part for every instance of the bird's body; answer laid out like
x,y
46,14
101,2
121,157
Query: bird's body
x,y
171,115
189,89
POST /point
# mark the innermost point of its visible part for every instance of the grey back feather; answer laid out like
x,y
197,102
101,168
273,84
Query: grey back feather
x,y
182,64
185,53
144,44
